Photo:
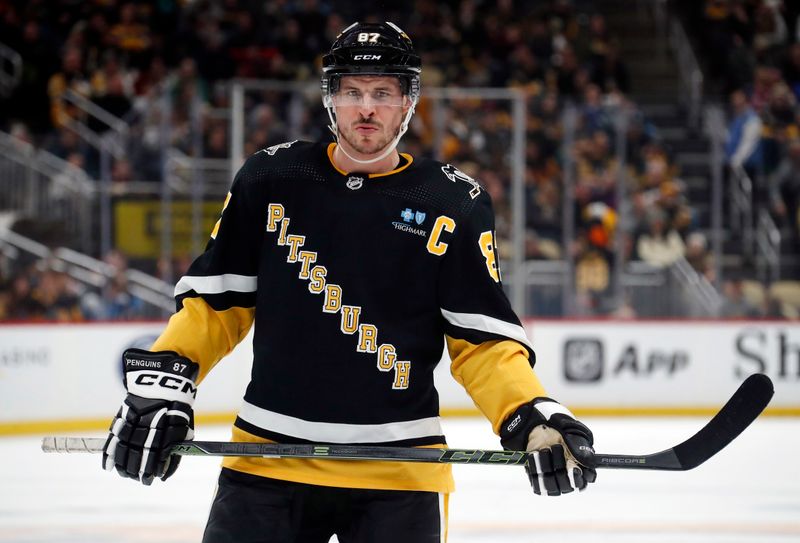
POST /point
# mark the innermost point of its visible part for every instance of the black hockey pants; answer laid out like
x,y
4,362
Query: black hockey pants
x,y
252,509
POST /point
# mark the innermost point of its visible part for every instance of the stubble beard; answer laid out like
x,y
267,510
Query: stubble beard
x,y
369,146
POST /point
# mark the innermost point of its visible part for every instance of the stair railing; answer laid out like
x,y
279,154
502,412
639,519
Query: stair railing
x,y
741,197
768,248
699,294
91,272
691,88
39,184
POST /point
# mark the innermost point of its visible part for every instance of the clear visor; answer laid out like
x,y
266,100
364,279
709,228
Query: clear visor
x,y
374,98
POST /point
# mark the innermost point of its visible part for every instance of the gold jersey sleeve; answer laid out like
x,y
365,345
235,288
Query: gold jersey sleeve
x,y
203,334
496,374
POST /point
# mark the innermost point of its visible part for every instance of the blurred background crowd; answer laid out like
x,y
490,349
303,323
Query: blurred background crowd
x,y
125,56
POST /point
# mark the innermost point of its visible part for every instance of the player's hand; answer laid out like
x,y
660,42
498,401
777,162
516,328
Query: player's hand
x,y
155,415
561,456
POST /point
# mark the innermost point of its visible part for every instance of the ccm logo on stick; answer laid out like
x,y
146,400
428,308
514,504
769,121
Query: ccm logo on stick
x,y
166,381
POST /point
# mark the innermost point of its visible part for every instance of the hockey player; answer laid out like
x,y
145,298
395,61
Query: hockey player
x,y
357,263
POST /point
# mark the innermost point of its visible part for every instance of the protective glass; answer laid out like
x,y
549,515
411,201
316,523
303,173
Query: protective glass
x,y
375,98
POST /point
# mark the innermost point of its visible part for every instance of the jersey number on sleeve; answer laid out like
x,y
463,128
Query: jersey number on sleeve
x,y
487,245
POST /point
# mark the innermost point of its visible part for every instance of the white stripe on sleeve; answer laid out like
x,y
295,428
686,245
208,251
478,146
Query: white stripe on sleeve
x,y
216,284
484,323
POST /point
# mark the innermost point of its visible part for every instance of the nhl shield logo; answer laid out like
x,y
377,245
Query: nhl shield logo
x,y
419,217
354,182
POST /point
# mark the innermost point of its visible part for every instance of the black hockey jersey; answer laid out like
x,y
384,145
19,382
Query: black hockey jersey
x,y
355,282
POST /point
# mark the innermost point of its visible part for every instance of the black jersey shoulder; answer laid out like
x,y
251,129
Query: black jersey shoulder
x,y
281,154
278,162
456,192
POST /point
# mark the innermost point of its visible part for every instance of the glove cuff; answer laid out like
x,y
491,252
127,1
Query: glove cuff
x,y
516,428
162,375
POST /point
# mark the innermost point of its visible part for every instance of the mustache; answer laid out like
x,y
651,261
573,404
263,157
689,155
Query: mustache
x,y
366,121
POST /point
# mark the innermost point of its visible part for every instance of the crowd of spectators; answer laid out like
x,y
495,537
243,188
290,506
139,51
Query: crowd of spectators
x,y
41,290
131,58
752,52
753,55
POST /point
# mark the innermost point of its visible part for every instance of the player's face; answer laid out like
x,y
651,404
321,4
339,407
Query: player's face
x,y
369,111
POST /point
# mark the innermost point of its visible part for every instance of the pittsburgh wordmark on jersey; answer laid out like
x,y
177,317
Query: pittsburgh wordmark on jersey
x,y
350,315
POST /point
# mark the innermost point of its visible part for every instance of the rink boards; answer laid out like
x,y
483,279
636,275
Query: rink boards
x,y
68,376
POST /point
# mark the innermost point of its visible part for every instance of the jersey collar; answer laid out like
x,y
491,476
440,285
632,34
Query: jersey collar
x,y
408,160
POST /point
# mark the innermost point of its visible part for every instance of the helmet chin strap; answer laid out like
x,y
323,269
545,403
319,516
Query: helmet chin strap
x,y
389,148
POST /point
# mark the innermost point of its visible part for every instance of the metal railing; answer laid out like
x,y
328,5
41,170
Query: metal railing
x,y
40,185
698,295
691,88
9,79
768,248
92,273
113,140
741,207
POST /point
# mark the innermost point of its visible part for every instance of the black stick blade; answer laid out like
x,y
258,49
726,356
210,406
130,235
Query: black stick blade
x,y
741,410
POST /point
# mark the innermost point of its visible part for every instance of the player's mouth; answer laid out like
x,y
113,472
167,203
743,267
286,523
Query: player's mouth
x,y
366,129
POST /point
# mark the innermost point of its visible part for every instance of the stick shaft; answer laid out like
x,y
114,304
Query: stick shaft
x,y
330,452
737,414
337,452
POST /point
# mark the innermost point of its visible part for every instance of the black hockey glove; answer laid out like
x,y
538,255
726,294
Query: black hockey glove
x,y
561,456
156,414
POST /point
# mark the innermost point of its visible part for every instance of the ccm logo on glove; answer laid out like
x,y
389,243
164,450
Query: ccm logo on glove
x,y
150,379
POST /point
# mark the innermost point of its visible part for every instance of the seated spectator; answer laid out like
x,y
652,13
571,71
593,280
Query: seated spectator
x,y
130,35
70,77
597,171
765,77
56,292
770,31
593,114
21,134
698,257
117,302
735,305
661,245
21,303
780,126
592,281
544,209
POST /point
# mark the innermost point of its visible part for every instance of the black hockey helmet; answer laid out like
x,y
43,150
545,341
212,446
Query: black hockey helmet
x,y
372,49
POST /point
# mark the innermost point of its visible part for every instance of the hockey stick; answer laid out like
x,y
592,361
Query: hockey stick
x,y
741,409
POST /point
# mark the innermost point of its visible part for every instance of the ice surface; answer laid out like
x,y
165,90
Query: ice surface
x,y
749,493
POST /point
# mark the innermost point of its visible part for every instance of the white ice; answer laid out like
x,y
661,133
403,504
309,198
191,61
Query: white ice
x,y
748,493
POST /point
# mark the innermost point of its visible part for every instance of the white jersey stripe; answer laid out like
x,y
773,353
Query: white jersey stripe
x,y
216,284
331,432
476,321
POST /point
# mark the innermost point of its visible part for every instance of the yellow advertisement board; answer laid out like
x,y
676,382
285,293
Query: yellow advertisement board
x,y
138,225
